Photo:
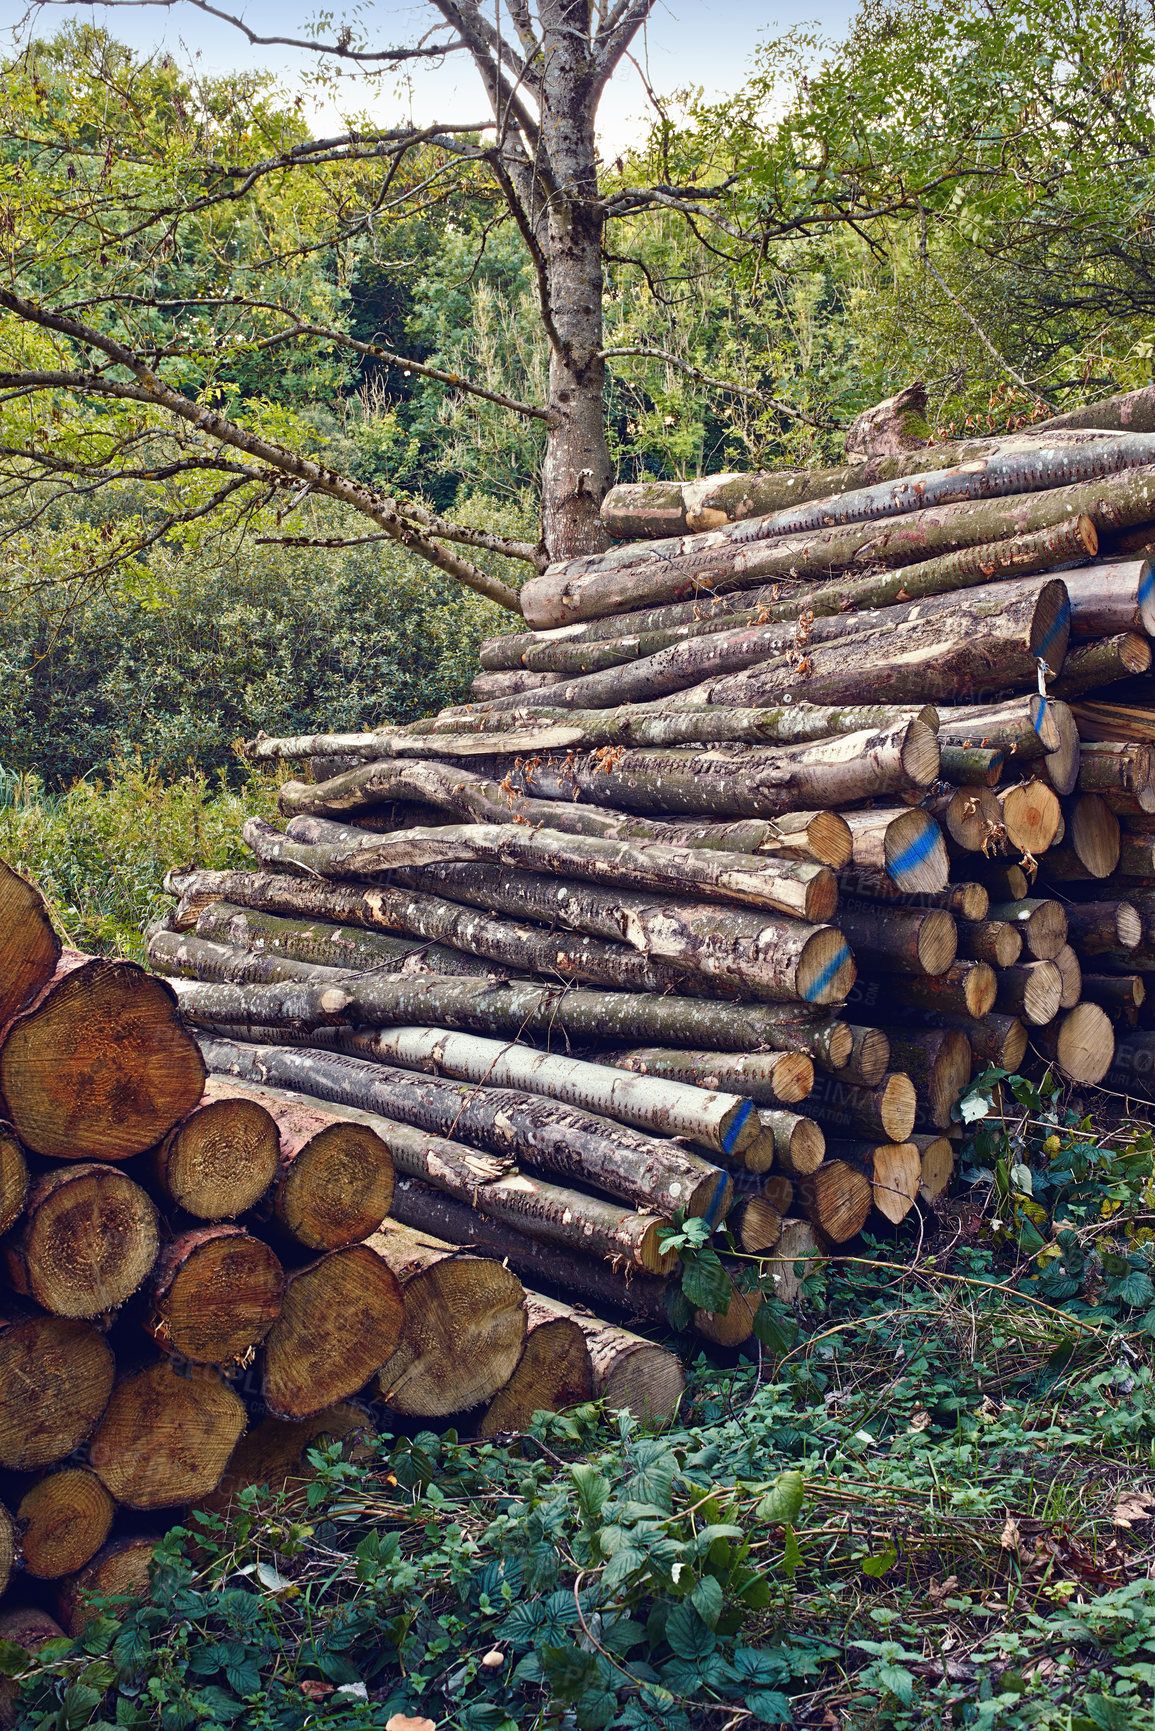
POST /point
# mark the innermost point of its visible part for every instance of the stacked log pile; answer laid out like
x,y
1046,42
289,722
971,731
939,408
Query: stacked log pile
x,y
200,1276
805,795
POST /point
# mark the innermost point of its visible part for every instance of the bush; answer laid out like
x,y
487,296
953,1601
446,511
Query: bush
x,y
285,641
100,851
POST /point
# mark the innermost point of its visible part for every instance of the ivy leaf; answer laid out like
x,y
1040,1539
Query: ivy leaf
x,y
878,1565
771,1707
687,1635
706,1284
1137,1288
707,1600
782,1504
898,1680
593,1491
774,1326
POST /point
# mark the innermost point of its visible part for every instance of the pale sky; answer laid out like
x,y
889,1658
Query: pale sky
x,y
704,43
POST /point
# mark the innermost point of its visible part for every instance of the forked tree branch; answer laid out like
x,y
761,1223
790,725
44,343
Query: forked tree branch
x,y
145,387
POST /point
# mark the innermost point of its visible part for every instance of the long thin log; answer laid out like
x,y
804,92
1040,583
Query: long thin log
x,y
606,1284
642,509
993,941
1122,996
745,781
993,1038
722,1122
535,730
329,946
537,1133
938,1062
755,1076
761,955
799,888
984,643
513,946
510,1007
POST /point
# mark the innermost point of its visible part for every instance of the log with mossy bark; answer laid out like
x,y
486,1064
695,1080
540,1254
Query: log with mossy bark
x,y
966,988
56,1374
994,941
329,946
718,561
760,955
646,509
887,1111
1115,766
491,732
214,1295
1042,923
98,1066
799,888
981,646
1094,928
742,781
473,797
972,765
900,940
1092,665
721,1122
657,1175
464,1327
761,1077
505,1006
87,1240
1122,996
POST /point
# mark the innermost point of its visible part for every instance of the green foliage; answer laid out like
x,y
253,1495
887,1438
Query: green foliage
x,y
99,852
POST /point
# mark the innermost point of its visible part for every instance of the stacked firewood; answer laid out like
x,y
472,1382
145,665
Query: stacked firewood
x,y
801,796
198,1275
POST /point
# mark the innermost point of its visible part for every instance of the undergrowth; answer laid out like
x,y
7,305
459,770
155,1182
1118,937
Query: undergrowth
x,y
99,851
934,1508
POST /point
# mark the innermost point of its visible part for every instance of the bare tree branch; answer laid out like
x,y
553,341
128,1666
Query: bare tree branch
x,y
702,378
984,339
147,388
342,49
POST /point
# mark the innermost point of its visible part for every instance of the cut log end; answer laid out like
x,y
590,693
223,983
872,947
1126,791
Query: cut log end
x,y
29,948
825,969
218,1292
829,840
166,1435
338,1189
1095,835
760,1225
936,1157
464,1331
101,1068
554,1373
837,1198
55,1379
895,1179
1032,816
921,756
121,1571
1084,1044
64,1518
340,1320
220,1162
13,1179
89,1239
937,942
916,857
